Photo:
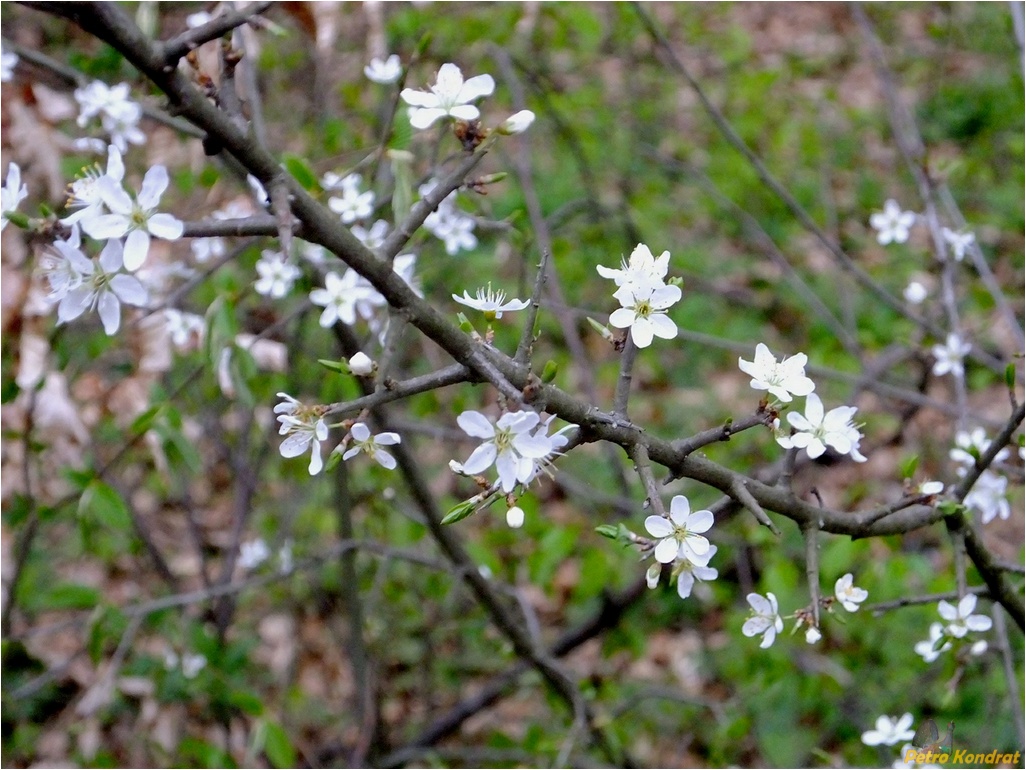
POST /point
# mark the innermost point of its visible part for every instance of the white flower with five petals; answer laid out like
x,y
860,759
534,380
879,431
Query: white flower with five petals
x,y
85,192
892,224
138,219
103,287
784,379
680,533
643,310
816,430
276,274
949,356
507,443
688,572
449,96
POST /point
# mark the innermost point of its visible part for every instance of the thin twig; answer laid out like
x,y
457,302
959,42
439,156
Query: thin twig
x,y
176,47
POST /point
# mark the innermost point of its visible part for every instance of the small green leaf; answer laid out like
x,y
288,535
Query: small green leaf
x,y
608,530
69,596
277,746
550,371
17,218
459,512
600,328
301,170
104,505
1010,376
333,460
336,366
142,423
465,324
908,467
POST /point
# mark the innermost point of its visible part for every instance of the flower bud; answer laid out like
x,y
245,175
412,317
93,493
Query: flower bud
x,y
813,635
518,123
515,517
361,365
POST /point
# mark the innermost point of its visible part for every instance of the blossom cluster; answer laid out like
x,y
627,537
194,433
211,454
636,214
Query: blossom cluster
x,y
959,621
644,296
816,429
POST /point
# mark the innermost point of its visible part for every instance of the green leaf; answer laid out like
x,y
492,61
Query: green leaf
x,y
550,371
1010,376
277,746
69,596
908,467
142,423
608,530
103,504
336,366
459,512
301,170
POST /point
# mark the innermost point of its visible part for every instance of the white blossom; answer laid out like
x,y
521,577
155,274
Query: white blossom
x,y
491,303
515,517
373,238
641,269
384,71
959,242
972,444
892,224
205,248
364,442
931,488
915,293
448,223
960,617
138,219
949,356
197,19
361,365
103,287
849,595
506,443
813,635
449,96
276,274
190,664
253,553
890,731
12,193
305,427
688,572
680,534
816,430
517,123
84,194
338,298
8,61
765,619
352,205
643,310
782,379
183,327
61,266
118,114
929,649
988,497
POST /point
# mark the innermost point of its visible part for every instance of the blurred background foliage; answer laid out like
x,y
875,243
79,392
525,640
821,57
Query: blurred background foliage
x,y
621,153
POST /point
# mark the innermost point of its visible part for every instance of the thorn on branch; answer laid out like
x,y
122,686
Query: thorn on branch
x,y
740,492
